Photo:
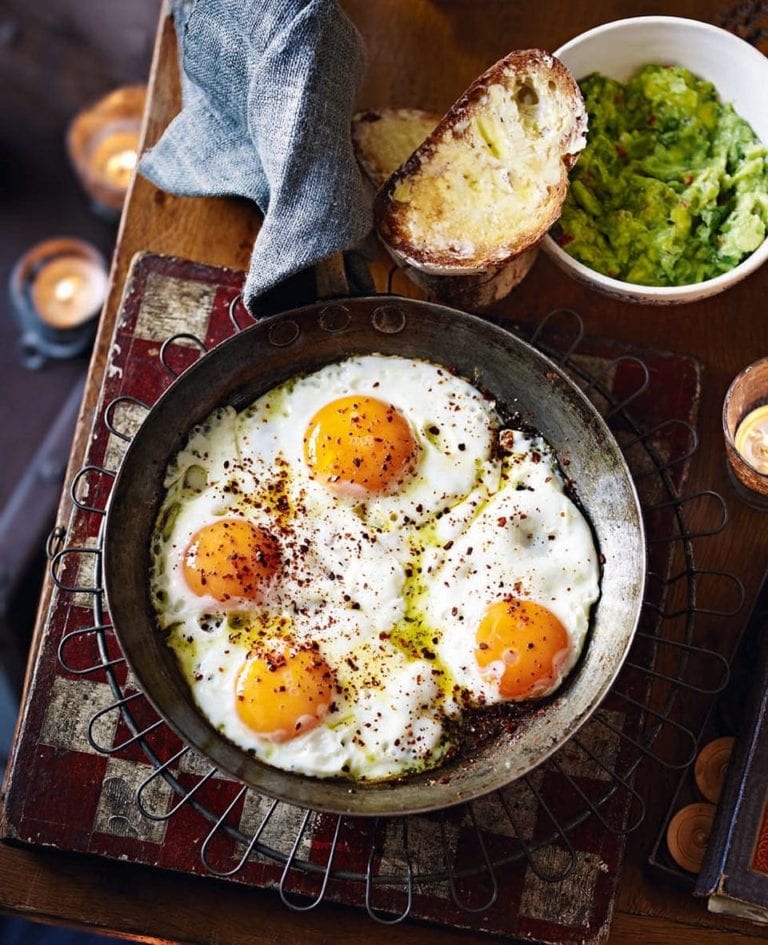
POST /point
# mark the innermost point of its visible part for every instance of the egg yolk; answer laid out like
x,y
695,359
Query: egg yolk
x,y
231,558
282,696
359,445
522,646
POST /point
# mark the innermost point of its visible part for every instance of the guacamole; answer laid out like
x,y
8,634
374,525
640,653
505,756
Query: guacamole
x,y
672,187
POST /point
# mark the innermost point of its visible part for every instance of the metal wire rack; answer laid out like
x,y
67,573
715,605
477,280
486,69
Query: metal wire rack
x,y
641,721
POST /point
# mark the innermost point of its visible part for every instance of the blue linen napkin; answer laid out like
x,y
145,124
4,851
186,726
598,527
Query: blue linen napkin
x,y
268,92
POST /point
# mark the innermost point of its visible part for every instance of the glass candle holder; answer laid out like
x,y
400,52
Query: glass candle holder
x,y
745,427
57,290
103,144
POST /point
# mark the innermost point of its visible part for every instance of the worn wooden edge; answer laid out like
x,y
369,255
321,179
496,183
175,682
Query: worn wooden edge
x,y
74,890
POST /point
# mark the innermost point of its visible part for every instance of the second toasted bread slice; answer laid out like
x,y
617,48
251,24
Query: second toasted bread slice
x,y
386,137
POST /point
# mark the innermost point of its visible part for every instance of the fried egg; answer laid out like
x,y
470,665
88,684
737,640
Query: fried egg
x,y
528,575
395,439
329,567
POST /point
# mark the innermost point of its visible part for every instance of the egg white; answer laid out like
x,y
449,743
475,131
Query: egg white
x,y
387,589
528,542
375,731
335,568
453,424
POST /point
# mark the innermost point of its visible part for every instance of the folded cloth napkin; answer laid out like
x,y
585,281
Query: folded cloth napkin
x,y
268,92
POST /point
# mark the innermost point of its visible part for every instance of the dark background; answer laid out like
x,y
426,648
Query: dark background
x,y
56,58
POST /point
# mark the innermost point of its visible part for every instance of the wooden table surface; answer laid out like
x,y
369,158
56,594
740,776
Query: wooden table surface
x,y
421,53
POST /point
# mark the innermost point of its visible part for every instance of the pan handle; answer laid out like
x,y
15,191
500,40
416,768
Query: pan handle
x,y
331,277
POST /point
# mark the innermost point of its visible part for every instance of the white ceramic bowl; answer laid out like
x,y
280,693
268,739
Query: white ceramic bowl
x,y
737,70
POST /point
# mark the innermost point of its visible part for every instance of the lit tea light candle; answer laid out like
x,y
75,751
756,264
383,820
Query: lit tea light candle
x,y
68,290
745,428
57,290
103,144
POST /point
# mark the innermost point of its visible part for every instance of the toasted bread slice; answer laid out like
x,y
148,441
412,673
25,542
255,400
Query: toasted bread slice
x,y
385,138
490,180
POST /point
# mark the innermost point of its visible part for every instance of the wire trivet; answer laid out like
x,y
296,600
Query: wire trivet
x,y
641,720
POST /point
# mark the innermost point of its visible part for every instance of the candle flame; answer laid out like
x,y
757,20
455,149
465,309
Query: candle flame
x,y
751,439
66,289
120,166
758,441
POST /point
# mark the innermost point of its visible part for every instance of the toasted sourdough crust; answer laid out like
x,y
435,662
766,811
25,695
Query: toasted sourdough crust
x,y
490,180
385,138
